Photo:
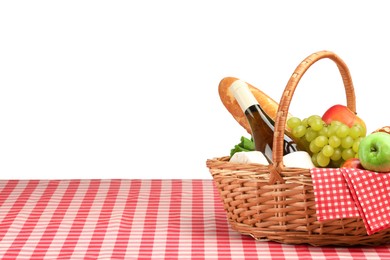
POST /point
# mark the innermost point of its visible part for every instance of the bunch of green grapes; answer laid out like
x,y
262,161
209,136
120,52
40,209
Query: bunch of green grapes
x,y
329,145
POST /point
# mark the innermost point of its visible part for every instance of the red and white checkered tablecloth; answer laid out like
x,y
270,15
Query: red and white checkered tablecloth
x,y
134,219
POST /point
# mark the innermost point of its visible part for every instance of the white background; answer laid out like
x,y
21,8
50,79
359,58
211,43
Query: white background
x,y
128,89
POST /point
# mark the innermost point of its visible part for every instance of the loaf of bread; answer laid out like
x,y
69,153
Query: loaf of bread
x,y
269,105
384,129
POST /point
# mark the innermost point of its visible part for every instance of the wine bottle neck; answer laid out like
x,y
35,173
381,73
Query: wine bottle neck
x,y
243,95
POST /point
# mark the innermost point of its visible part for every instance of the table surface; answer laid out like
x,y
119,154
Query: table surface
x,y
134,219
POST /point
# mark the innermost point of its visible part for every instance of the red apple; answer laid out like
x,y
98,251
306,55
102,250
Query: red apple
x,y
344,115
352,163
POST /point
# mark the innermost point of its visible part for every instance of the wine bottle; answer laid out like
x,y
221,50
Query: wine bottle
x,y
261,124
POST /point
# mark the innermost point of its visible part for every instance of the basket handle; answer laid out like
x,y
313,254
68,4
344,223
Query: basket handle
x,y
284,104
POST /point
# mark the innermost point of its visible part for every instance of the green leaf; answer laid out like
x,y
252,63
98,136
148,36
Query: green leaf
x,y
245,145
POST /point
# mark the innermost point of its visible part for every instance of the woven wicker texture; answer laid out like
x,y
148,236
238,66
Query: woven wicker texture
x,y
277,203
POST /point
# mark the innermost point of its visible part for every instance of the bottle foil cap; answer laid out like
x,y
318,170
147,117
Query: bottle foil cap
x,y
243,94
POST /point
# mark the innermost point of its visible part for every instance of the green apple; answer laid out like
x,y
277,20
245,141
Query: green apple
x,y
374,152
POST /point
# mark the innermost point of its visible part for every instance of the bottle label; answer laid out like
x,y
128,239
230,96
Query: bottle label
x,y
289,146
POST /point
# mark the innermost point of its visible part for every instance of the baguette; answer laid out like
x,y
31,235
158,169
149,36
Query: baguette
x,y
384,129
269,105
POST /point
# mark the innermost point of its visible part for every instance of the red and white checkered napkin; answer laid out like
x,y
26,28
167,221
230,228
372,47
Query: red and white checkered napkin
x,y
333,198
371,193
349,192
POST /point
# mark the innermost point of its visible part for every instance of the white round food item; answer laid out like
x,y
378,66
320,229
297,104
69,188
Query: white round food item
x,y
299,159
249,157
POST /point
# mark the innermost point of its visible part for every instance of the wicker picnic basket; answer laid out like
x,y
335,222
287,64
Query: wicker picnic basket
x,y
277,203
